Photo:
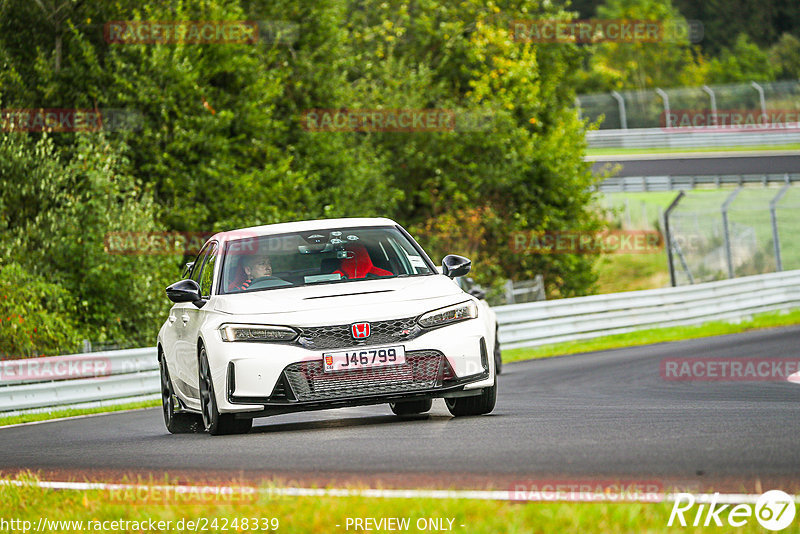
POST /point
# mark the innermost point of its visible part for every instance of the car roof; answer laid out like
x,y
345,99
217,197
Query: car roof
x,y
303,226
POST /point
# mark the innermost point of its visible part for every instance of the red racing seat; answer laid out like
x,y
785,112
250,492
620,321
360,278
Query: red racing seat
x,y
239,278
360,265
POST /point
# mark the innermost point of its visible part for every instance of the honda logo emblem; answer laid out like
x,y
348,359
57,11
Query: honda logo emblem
x,y
360,330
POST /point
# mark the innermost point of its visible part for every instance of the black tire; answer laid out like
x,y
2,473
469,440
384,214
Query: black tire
x,y
498,354
215,423
411,407
176,423
475,405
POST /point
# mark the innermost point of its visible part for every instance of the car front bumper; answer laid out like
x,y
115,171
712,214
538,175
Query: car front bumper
x,y
271,378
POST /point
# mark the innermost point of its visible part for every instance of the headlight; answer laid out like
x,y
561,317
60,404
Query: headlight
x,y
448,315
256,332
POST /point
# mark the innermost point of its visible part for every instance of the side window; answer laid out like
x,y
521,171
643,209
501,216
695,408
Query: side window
x,y
198,263
207,275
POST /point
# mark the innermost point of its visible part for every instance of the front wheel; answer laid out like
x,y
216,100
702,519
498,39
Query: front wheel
x,y
176,422
411,407
475,405
215,423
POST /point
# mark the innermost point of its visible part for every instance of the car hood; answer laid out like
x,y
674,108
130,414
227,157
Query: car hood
x,y
349,301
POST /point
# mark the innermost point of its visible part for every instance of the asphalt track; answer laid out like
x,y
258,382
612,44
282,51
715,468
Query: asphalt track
x,y
593,416
699,164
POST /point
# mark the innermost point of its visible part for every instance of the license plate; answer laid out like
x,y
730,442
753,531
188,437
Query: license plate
x,y
363,358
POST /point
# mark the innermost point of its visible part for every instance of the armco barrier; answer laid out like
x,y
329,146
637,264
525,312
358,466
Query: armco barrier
x,y
661,138
56,381
635,184
134,373
539,323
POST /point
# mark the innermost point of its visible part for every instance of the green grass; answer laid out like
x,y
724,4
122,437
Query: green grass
x,y
615,151
301,515
699,215
631,272
655,335
73,412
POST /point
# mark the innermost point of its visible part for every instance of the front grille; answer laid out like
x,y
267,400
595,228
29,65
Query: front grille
x,y
423,370
339,336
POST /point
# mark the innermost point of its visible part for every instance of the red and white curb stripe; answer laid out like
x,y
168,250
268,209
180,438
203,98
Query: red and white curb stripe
x,y
490,495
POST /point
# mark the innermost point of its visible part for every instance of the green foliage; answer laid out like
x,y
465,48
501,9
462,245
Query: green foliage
x,y
56,216
221,144
37,317
641,65
762,20
785,57
740,42
743,62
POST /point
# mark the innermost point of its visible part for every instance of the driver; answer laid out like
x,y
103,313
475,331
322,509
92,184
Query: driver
x,y
254,267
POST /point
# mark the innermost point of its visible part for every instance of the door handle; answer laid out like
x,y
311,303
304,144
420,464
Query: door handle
x,y
185,318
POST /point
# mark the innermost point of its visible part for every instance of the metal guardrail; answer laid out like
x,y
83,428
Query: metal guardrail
x,y
64,381
525,290
539,323
644,184
663,138
134,373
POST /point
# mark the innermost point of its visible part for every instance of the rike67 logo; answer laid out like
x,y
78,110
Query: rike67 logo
x,y
774,510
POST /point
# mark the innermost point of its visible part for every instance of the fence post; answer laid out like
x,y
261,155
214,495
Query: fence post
x,y
761,98
627,214
726,233
623,117
713,98
668,236
665,98
509,291
774,219
578,107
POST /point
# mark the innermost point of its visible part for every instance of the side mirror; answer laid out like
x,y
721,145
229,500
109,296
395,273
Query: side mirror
x,y
184,291
454,266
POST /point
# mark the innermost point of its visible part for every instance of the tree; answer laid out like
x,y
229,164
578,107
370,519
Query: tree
x,y
785,56
641,65
521,170
56,217
744,62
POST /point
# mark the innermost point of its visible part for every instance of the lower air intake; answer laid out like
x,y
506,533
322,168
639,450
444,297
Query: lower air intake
x,y
423,370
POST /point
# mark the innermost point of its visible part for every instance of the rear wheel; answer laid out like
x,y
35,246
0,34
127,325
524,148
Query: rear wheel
x,y
475,405
176,422
411,407
215,423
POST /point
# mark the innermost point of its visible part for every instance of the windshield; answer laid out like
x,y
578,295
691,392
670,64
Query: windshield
x,y
319,257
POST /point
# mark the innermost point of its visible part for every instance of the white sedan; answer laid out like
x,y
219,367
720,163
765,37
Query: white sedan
x,y
321,314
